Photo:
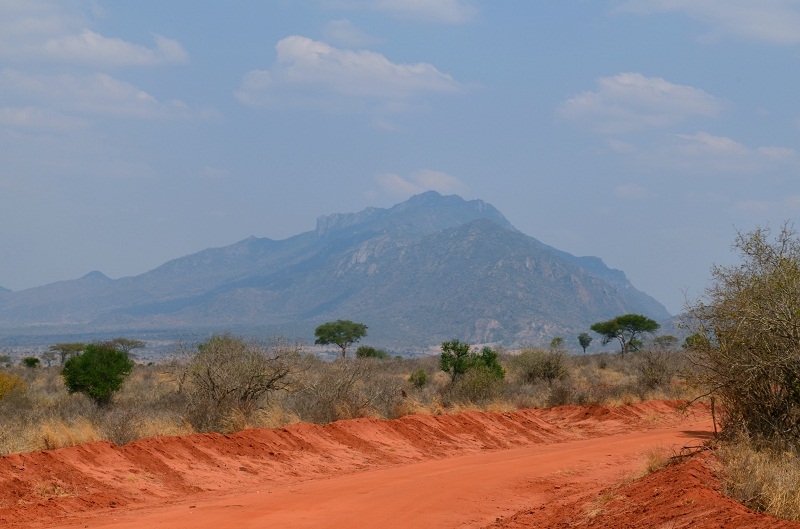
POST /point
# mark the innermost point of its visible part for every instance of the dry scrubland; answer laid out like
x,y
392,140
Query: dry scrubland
x,y
177,397
193,393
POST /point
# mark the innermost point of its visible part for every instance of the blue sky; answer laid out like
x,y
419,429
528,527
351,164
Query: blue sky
x,y
645,132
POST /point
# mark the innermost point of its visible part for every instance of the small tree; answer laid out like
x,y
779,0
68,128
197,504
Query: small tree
x,y
747,336
456,359
584,339
626,329
488,360
340,332
230,374
31,362
666,342
557,343
65,350
98,371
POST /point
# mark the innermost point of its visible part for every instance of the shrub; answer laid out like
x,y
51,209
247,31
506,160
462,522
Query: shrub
x,y
10,384
366,351
346,389
532,365
456,359
480,384
418,378
654,369
747,337
31,361
98,371
229,374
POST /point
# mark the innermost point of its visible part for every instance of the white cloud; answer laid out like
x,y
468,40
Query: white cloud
x,y
710,154
631,191
775,21
95,94
37,118
41,30
777,153
630,101
91,47
343,32
438,11
705,144
420,181
309,69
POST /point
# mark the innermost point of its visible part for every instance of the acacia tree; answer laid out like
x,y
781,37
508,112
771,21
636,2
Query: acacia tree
x,y
625,329
343,333
65,350
584,339
126,345
747,336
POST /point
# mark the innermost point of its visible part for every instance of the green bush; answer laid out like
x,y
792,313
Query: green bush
x,y
457,359
98,372
419,378
366,351
31,361
480,384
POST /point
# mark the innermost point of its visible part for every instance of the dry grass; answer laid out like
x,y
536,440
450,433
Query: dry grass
x,y
50,490
765,479
58,433
37,412
656,458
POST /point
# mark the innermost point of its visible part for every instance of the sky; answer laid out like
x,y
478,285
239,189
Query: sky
x,y
644,132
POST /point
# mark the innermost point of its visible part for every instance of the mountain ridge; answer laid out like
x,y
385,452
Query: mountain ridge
x,y
428,269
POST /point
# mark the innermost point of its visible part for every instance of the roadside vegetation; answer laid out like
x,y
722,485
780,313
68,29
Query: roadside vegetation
x,y
229,383
746,353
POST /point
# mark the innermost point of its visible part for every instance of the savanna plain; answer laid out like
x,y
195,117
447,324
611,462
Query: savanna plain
x,y
238,433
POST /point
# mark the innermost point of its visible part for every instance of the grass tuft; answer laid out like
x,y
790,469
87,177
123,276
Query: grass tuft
x,y
763,478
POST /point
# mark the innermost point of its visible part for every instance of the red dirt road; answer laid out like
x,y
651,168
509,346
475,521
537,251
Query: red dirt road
x,y
531,468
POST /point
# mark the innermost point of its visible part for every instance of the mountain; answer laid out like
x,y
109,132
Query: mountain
x,y
429,269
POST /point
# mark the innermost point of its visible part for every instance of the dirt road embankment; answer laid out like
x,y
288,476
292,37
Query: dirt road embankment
x,y
473,469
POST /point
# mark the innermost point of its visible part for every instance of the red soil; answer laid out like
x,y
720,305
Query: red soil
x,y
529,468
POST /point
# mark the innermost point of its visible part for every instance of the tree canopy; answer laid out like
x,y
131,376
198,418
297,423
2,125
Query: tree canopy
x,y
98,371
625,329
584,339
343,333
126,345
65,350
